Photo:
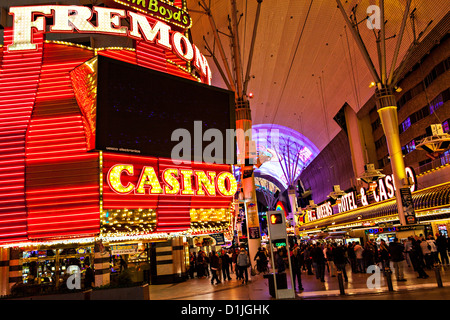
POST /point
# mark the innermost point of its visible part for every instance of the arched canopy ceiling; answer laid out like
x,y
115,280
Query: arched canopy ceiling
x,y
306,64
288,152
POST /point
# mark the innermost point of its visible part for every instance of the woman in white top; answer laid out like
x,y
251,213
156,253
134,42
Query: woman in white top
x,y
426,251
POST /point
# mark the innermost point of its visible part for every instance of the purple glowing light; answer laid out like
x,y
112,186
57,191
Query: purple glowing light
x,y
289,151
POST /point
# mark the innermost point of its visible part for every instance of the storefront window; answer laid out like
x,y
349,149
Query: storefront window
x,y
52,267
130,263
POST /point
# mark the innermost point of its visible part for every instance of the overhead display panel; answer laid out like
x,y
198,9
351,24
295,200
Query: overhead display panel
x,y
142,111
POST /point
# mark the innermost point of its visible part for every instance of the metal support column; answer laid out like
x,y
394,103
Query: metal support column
x,y
387,110
385,99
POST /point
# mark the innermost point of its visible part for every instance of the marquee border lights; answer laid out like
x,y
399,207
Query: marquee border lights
x,y
39,98
210,220
435,209
133,221
105,49
28,20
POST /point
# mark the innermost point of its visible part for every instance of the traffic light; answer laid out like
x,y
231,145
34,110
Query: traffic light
x,y
276,218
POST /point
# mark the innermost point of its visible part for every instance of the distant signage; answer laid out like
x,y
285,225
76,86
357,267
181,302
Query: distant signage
x,y
124,249
408,206
219,238
158,9
253,233
279,243
252,215
380,230
410,227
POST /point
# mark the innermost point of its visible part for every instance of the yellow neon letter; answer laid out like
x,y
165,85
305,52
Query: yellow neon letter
x,y
148,178
114,175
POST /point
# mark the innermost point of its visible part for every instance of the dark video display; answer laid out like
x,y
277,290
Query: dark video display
x,y
139,109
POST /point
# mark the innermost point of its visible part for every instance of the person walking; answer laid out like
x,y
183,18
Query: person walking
x,y
296,268
340,260
242,263
417,258
206,260
368,255
352,257
261,260
396,250
433,249
214,265
200,265
89,277
226,261
408,248
441,244
384,255
192,262
230,256
318,260
426,252
328,253
281,266
308,259
359,257
234,261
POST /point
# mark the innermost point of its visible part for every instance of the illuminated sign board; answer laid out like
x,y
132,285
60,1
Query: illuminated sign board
x,y
385,188
380,230
71,18
171,181
347,202
159,9
124,249
279,243
322,211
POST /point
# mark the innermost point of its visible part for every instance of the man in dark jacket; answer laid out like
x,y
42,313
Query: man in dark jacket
x,y
214,265
396,250
318,260
261,260
340,260
441,244
417,258
296,267
89,277
226,261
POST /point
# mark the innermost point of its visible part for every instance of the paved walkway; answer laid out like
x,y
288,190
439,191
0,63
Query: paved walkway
x,y
258,289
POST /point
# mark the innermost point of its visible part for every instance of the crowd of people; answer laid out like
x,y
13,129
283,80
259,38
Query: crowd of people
x,y
419,252
220,265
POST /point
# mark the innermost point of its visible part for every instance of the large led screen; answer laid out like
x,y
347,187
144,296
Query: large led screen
x,y
142,111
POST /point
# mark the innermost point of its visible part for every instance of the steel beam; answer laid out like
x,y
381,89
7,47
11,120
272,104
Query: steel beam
x,y
220,46
399,41
252,46
360,44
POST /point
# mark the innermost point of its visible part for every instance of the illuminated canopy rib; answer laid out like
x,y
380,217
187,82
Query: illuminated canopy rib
x,y
289,151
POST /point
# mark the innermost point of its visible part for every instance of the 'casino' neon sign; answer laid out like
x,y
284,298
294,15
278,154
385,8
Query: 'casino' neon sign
x,y
171,181
71,18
